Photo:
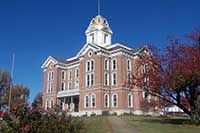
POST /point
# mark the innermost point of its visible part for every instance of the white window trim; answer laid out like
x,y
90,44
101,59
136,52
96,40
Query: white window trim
x,y
115,64
70,75
64,87
113,79
52,75
91,79
69,85
131,100
86,66
46,105
107,101
76,72
107,79
76,83
91,65
48,87
105,64
94,101
85,101
113,100
52,87
62,75
86,80
129,61
51,103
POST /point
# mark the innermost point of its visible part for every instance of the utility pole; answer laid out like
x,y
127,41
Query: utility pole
x,y
10,91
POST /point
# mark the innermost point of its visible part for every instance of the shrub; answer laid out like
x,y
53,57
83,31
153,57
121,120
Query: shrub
x,y
105,113
26,119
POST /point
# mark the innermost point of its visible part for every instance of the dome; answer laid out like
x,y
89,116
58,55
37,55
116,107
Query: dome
x,y
99,20
99,23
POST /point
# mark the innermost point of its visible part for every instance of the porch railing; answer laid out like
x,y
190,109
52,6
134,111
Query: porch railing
x,y
71,92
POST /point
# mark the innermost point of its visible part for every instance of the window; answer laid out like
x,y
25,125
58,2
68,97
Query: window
x,y
130,100
62,86
114,78
106,79
129,65
92,65
86,101
105,38
77,84
88,66
47,105
92,79
70,75
63,75
114,100
50,75
106,100
51,103
70,85
144,68
106,65
77,73
129,76
50,87
90,53
92,37
88,80
114,64
93,101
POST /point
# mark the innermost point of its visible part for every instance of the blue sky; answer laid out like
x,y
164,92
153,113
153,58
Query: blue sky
x,y
35,29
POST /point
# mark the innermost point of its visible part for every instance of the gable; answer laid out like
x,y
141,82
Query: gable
x,y
48,61
86,48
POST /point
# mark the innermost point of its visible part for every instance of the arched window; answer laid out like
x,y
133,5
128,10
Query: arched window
x,y
114,78
106,79
130,100
106,100
92,65
114,100
93,100
87,66
114,64
86,101
106,64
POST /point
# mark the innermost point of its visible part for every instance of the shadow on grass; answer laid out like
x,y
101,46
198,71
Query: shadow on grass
x,y
164,120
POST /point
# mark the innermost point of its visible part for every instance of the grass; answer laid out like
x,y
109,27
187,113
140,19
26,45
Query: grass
x,y
101,124
161,125
97,124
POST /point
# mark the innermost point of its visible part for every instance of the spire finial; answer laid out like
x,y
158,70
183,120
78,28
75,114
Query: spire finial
x,y
99,7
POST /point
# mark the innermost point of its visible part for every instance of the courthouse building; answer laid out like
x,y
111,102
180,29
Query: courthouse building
x,y
93,81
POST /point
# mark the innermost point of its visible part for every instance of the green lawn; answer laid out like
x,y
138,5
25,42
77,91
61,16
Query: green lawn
x,y
99,124
161,125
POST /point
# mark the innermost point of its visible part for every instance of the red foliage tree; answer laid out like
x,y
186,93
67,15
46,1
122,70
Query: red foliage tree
x,y
173,74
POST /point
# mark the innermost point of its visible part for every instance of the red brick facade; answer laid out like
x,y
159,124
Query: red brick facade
x,y
74,72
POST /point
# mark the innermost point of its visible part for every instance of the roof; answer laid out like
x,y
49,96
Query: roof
x,y
60,60
109,49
